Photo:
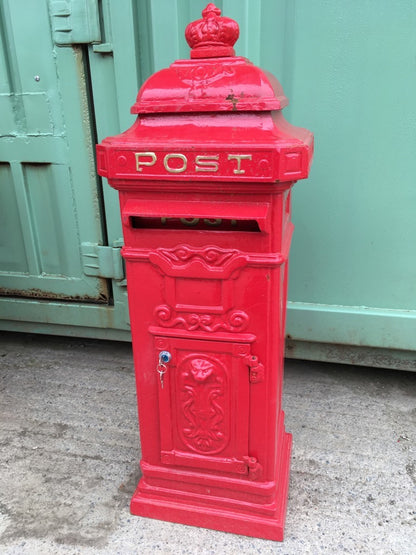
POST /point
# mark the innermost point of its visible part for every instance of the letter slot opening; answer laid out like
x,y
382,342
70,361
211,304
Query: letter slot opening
x,y
192,215
194,223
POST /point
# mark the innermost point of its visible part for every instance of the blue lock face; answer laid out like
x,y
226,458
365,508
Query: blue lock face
x,y
164,357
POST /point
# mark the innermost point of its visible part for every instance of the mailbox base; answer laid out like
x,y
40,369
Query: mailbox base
x,y
207,512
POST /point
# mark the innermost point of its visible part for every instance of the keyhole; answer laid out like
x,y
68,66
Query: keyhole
x,y
165,356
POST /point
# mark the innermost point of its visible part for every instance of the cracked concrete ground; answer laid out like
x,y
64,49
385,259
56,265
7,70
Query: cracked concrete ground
x,y
70,452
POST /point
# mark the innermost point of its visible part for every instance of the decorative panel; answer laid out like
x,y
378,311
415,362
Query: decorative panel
x,y
204,404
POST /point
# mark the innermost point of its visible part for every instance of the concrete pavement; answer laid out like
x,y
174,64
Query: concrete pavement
x,y
70,451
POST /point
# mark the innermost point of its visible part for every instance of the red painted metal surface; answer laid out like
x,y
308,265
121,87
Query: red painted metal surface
x,y
204,177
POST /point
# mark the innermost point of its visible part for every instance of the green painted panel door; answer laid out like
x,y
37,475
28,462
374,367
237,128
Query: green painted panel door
x,y
348,70
49,199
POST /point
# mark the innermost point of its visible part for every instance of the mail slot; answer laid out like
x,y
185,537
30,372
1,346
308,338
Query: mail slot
x,y
204,179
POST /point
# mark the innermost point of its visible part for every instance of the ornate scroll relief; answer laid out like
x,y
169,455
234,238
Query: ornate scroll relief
x,y
232,321
201,262
211,256
203,418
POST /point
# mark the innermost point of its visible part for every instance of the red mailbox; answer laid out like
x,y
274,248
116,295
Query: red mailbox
x,y
204,177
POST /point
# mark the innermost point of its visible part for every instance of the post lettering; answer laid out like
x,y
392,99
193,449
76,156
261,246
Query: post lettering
x,y
203,162
190,221
214,221
175,170
139,162
239,157
206,163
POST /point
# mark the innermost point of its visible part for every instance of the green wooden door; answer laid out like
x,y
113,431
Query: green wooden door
x,y
58,271
49,201
348,70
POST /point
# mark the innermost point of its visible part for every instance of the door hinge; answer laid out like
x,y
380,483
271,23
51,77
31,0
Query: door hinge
x,y
255,469
256,369
103,262
75,21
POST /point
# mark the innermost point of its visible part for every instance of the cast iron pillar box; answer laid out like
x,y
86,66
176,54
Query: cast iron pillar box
x,y
204,177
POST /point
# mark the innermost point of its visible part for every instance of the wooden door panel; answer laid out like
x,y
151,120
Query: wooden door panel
x,y
48,189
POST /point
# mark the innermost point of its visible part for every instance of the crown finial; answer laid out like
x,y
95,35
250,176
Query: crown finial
x,y
213,36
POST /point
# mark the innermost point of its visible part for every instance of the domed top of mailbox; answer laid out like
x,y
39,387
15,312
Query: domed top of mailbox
x,y
214,79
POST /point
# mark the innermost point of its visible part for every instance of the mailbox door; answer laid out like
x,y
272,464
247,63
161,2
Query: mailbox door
x,y
204,404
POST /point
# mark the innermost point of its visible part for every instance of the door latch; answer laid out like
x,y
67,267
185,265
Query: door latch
x,y
256,369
